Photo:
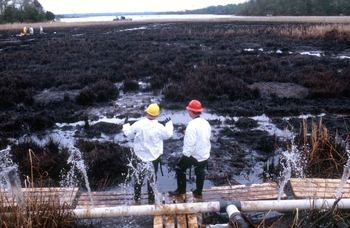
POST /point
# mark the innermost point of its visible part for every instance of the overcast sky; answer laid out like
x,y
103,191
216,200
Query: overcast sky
x,y
104,6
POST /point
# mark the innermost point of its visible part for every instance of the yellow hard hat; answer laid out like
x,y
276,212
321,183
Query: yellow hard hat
x,y
153,109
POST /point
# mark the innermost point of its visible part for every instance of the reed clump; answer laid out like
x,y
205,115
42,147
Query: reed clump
x,y
35,206
326,154
37,211
339,31
321,218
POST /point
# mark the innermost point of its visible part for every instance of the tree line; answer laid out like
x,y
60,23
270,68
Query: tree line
x,y
282,7
23,11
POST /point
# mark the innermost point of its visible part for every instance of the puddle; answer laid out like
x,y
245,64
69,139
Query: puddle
x,y
265,124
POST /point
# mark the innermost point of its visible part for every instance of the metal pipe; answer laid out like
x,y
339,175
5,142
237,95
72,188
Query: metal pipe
x,y
290,205
139,210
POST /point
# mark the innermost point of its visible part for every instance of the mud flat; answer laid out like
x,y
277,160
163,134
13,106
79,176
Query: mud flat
x,y
255,78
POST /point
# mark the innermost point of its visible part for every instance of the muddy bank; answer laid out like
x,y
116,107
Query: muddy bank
x,y
220,63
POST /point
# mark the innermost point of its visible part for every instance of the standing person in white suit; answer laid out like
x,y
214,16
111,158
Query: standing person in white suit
x,y
148,136
196,150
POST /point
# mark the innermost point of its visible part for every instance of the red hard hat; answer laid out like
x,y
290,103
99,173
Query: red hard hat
x,y
195,106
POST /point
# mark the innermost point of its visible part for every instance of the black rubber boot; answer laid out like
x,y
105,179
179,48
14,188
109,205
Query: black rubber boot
x,y
176,193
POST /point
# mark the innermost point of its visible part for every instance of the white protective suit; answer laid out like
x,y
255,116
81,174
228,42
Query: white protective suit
x,y
148,137
197,139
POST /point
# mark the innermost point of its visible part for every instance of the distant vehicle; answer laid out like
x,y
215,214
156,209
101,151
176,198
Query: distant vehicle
x,y
121,18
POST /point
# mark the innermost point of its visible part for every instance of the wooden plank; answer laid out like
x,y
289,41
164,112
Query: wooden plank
x,y
107,198
58,196
192,220
43,190
319,184
243,190
317,180
169,221
214,198
318,188
272,185
181,221
105,194
158,221
113,193
240,196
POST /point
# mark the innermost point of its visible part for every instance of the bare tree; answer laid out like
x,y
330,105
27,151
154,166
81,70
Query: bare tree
x,y
3,4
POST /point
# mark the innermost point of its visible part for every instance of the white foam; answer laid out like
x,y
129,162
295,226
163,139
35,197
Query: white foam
x,y
133,29
105,119
75,124
265,124
343,57
305,116
312,53
248,49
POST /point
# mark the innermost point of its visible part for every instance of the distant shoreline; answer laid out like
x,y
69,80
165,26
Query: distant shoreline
x,y
291,19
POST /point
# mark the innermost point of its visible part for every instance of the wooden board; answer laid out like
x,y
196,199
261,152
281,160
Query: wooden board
x,y
235,192
318,188
192,220
181,221
54,196
242,192
109,199
169,219
158,221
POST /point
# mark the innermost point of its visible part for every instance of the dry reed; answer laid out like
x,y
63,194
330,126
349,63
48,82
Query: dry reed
x,y
325,157
40,207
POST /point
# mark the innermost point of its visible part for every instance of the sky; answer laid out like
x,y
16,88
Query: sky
x,y
108,6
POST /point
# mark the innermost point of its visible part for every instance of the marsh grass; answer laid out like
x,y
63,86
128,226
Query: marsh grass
x,y
41,206
320,218
327,31
325,155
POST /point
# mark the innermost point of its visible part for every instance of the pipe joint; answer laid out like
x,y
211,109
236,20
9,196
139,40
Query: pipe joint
x,y
235,217
225,204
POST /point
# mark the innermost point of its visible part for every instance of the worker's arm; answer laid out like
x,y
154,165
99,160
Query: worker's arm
x,y
168,130
128,131
189,141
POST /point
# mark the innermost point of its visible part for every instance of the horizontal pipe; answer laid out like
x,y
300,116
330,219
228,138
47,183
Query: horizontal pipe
x,y
139,210
290,205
